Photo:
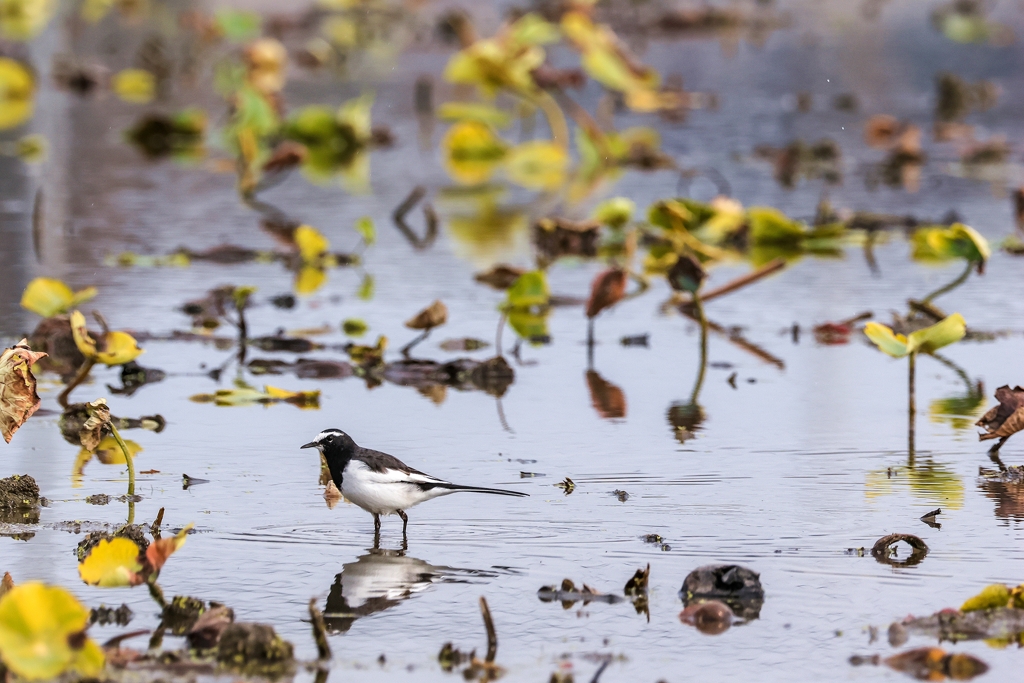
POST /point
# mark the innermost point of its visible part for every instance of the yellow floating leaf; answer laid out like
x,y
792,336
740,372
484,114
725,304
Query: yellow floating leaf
x,y
42,633
886,340
995,595
113,348
24,19
472,152
614,212
947,331
137,86
49,297
17,89
311,243
302,399
113,563
538,165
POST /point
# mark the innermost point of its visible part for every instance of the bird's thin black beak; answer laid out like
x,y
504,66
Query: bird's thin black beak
x,y
311,444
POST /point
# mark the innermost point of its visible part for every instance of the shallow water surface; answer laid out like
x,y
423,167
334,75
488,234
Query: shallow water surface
x,y
804,458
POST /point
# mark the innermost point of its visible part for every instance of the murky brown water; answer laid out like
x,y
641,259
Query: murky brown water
x,y
788,470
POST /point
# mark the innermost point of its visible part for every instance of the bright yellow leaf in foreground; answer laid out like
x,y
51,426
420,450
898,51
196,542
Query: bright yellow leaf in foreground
x,y
42,633
112,564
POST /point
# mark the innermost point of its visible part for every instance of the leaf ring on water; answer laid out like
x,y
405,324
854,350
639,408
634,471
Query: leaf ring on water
x,y
882,549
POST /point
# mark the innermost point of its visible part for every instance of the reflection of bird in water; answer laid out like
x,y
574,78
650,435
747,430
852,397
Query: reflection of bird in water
x,y
380,580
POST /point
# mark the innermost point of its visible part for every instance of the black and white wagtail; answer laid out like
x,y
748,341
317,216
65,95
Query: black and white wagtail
x,y
380,483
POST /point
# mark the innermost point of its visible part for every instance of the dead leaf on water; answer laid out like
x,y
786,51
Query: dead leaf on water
x,y
18,397
434,315
1005,419
332,495
608,288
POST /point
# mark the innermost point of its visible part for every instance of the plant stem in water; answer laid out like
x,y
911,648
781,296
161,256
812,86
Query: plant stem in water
x,y
79,377
698,308
951,286
911,408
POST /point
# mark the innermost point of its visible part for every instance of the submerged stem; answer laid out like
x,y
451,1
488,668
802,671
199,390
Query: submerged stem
x,y
951,286
79,377
698,308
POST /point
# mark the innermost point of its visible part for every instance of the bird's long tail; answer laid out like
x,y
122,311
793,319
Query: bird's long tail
x,y
480,489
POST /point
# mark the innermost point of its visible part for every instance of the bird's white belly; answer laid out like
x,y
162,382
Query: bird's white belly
x,y
380,499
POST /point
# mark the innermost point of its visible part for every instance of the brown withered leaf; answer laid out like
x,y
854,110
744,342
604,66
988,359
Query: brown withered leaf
x,y
1005,419
434,315
607,290
500,276
637,584
687,275
608,399
332,495
18,397
880,130
96,426
934,664
6,584
205,633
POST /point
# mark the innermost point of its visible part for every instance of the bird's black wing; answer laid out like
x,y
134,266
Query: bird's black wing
x,y
381,462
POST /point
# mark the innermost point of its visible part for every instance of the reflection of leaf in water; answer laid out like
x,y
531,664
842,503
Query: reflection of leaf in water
x,y
959,411
108,453
686,420
366,287
472,152
609,400
927,480
491,234
537,165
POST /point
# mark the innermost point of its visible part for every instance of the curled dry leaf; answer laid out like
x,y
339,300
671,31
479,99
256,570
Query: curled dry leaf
x,y
18,397
332,495
161,549
500,276
608,289
97,424
1005,419
434,315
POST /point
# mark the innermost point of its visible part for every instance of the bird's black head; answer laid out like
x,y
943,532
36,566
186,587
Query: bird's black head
x,y
332,441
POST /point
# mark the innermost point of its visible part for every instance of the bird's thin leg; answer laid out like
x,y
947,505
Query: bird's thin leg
x,y
405,521
376,524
